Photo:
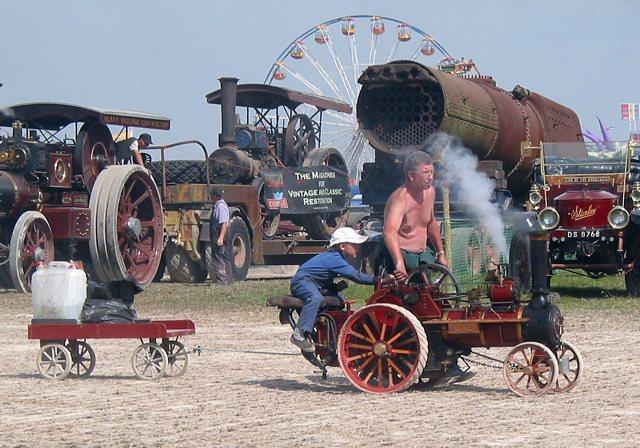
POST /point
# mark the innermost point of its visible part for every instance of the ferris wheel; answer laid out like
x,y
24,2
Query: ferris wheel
x,y
328,59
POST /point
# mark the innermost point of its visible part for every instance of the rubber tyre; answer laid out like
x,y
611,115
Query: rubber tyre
x,y
238,234
161,269
181,268
180,172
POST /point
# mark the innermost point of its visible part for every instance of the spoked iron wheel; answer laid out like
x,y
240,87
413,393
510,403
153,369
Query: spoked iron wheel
x,y
83,359
177,358
300,138
530,369
54,361
149,361
382,348
127,225
570,367
325,339
439,276
31,243
94,151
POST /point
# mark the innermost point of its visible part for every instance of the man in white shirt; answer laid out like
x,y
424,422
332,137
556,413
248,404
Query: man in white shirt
x,y
126,149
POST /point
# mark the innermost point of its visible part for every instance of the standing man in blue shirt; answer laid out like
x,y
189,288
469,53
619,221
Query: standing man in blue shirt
x,y
318,273
220,247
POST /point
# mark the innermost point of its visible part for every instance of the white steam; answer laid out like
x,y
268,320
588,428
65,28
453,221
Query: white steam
x,y
469,187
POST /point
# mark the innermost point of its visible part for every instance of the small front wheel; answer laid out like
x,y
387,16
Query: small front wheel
x,y
149,361
54,361
530,369
570,367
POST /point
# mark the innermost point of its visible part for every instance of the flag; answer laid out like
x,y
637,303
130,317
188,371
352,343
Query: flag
x,y
630,111
624,111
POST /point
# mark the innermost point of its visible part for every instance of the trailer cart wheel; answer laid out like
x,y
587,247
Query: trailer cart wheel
x,y
382,348
178,359
54,361
530,369
570,367
31,243
127,225
149,361
83,359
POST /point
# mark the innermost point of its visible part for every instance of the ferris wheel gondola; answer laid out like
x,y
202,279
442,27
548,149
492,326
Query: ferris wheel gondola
x,y
328,59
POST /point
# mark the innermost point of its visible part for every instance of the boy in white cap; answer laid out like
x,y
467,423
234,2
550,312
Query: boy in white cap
x,y
318,274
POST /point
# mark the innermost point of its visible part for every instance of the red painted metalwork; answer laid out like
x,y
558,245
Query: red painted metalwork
x,y
154,329
425,307
502,293
60,171
68,222
585,208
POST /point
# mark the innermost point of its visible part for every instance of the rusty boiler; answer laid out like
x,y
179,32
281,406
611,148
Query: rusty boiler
x,y
402,104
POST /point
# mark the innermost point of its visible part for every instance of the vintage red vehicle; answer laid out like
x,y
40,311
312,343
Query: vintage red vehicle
x,y
411,332
63,197
587,197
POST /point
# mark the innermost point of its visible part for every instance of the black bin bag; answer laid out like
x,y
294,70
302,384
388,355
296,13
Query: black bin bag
x,y
110,302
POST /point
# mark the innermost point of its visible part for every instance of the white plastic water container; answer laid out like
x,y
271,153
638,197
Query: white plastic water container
x,y
58,291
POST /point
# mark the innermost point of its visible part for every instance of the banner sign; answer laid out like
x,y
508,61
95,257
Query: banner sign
x,y
306,190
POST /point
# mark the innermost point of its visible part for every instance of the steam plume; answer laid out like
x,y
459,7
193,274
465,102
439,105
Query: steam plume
x,y
469,187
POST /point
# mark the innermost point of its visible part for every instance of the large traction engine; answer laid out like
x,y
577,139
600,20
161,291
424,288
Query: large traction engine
x,y
66,198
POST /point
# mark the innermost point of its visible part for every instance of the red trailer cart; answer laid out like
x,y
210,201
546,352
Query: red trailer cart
x,y
65,352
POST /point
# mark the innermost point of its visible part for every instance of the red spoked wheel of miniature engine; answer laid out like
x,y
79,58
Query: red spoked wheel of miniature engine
x,y
127,223
530,369
570,367
382,348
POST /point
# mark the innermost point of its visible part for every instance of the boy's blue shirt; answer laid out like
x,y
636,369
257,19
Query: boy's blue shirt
x,y
325,267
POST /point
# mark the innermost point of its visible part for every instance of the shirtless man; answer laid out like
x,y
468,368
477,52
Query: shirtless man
x,y
409,218
409,222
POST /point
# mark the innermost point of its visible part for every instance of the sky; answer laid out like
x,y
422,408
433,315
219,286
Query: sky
x,y
165,56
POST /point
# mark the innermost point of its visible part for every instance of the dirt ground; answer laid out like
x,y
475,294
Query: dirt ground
x,y
253,390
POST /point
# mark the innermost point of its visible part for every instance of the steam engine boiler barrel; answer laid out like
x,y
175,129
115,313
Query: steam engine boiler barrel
x,y
228,86
16,195
402,103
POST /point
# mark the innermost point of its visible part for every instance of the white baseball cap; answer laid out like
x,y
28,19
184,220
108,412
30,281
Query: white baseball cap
x,y
346,235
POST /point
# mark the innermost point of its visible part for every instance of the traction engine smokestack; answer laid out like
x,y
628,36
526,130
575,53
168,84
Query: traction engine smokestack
x,y
228,85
